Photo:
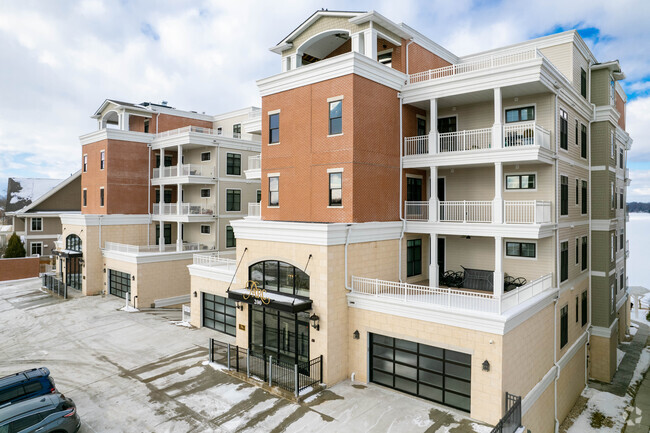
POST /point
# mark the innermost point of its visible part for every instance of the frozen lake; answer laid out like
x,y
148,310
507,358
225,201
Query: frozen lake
x,y
638,265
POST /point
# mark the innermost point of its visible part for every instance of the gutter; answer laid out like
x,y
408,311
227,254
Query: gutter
x,y
347,242
401,217
557,366
407,60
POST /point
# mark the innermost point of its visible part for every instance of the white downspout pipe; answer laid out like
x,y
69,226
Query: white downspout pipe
x,y
149,196
401,217
557,366
557,263
218,210
347,242
407,57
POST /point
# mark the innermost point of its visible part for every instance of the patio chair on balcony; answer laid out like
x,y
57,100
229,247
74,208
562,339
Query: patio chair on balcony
x,y
512,283
452,279
478,279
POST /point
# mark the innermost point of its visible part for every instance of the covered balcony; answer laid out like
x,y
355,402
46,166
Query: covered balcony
x,y
254,210
154,249
254,167
177,209
514,212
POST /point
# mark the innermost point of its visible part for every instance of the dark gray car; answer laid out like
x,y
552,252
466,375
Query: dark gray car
x,y
44,414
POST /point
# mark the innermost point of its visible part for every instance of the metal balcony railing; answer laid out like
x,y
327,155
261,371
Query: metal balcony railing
x,y
225,259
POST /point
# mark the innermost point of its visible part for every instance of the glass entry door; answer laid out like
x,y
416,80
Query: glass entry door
x,y
285,336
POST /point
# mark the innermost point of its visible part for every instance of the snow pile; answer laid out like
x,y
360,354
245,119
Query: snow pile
x,y
180,323
642,366
129,309
610,405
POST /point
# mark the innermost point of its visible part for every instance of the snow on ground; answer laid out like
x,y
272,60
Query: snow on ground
x,y
180,323
608,404
641,366
129,309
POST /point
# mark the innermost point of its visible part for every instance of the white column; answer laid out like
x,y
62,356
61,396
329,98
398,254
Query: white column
x,y
433,200
179,163
179,198
370,43
357,43
179,240
295,60
433,126
125,121
497,128
498,266
433,265
497,210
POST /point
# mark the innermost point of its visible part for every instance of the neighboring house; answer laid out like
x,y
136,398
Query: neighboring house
x,y
36,205
157,185
452,227
5,233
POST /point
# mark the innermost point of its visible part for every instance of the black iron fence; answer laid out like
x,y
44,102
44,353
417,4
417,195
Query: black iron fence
x,y
54,285
290,377
511,421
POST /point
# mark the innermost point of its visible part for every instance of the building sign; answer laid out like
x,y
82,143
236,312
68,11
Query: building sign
x,y
258,295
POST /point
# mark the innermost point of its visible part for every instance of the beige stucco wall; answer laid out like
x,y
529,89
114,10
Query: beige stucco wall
x,y
539,418
570,384
602,356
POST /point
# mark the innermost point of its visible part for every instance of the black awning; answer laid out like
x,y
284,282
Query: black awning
x,y
273,300
67,253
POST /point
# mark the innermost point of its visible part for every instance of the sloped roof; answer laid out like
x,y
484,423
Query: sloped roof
x,y
23,191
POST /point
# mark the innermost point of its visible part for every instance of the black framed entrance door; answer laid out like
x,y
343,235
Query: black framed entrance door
x,y
73,272
285,336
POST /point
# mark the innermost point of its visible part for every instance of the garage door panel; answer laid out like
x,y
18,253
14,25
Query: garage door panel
x,y
431,379
384,352
431,364
456,385
406,357
459,371
430,393
382,378
457,400
218,314
406,385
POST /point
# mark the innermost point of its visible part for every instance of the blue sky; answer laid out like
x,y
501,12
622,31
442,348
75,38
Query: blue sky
x,y
62,59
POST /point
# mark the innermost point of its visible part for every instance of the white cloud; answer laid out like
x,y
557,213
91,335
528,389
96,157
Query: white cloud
x,y
637,124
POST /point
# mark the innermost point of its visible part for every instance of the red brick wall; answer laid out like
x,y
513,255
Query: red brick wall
x,y
168,122
17,269
346,47
136,123
620,107
94,178
421,59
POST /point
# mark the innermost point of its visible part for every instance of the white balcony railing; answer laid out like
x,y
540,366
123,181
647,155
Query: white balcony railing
x,y
627,173
186,170
171,171
527,212
198,130
224,259
475,65
416,210
254,162
514,135
466,211
450,298
461,141
627,249
138,249
254,210
185,209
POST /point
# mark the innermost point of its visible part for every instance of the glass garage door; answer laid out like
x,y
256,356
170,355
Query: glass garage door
x,y
440,375
219,313
119,283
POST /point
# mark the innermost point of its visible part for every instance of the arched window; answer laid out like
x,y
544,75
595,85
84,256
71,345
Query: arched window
x,y
276,276
73,243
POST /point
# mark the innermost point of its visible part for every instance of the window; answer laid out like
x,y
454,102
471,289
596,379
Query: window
x,y
37,224
36,248
613,295
205,156
230,237
73,243
522,114
577,250
233,164
413,189
621,284
564,326
621,239
611,139
233,200
620,157
620,200
584,198
167,197
236,130
167,234
577,190
577,309
385,58
259,196
564,124
274,276
85,197
168,160
413,257
564,261
85,163
274,128
583,83
583,141
205,229
577,135
274,191
146,126
219,130
564,195
102,159
584,307
520,249
612,248
612,91
336,117
205,192
422,126
613,195
336,196
101,197
520,181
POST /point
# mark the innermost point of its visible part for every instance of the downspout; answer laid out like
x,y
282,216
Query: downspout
x,y
100,231
347,242
401,217
407,56
589,198
218,210
149,195
557,366
557,262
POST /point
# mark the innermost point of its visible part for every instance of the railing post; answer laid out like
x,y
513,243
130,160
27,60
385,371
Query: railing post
x,y
237,358
248,363
211,352
321,369
270,370
464,211
376,287
295,376
228,356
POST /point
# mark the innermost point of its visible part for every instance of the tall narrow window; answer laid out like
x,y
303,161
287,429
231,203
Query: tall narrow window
x,y
236,130
85,197
101,197
413,257
422,126
233,164
336,117
259,196
583,141
85,165
577,135
620,157
584,197
146,126
583,83
564,126
584,308
564,192
102,159
336,196
274,191
577,190
612,248
621,239
611,144
613,192
233,200
230,237
577,309
564,326
413,189
577,250
620,201
274,128
564,264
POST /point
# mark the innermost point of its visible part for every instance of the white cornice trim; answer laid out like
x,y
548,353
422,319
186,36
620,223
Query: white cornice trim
x,y
597,274
603,225
622,301
315,233
338,66
150,257
378,18
599,331
431,46
219,273
115,134
485,156
524,231
235,113
607,113
106,220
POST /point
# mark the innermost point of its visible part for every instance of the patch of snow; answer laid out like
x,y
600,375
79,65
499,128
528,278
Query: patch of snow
x,y
216,366
32,189
478,428
619,357
180,323
311,398
641,366
129,309
608,404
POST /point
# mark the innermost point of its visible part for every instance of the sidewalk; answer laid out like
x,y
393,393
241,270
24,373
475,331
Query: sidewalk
x,y
639,419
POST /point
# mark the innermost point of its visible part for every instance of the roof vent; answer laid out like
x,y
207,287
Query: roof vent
x,y
164,103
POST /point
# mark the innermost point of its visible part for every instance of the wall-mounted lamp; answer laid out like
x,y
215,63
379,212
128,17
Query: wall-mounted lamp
x,y
81,261
132,277
195,294
314,319
239,306
486,365
355,335
104,270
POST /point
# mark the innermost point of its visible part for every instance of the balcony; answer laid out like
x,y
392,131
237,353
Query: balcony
x,y
220,266
185,173
514,212
153,249
254,210
254,167
184,212
441,298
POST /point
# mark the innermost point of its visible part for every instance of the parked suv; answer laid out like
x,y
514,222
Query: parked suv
x,y
44,414
26,384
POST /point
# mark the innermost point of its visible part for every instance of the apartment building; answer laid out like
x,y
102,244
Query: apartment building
x,y
157,185
445,226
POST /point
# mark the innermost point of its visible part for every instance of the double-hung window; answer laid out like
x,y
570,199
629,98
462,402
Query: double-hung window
x,y
205,229
336,117
413,189
36,248
413,257
37,224
205,156
564,261
520,249
236,130
233,200
274,128
577,135
336,189
577,191
102,159
564,326
584,197
620,201
564,126
101,197
85,165
564,195
620,157
583,141
230,237
85,197
577,251
613,195
520,181
205,192
233,164
274,191
584,308
583,83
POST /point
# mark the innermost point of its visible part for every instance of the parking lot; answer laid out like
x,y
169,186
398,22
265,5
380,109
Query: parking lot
x,y
142,372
